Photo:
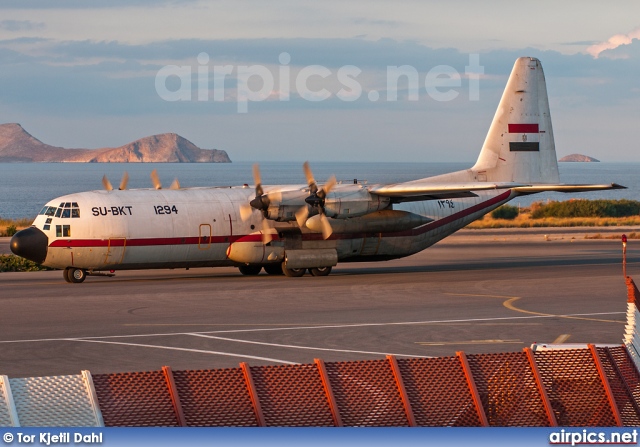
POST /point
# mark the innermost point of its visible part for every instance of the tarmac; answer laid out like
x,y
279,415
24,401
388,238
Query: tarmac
x,y
476,291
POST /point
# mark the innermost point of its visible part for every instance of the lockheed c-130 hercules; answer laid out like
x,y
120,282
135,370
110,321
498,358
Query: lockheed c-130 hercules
x,y
297,228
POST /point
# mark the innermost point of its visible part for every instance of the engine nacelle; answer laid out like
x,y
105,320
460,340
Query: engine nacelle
x,y
352,201
250,251
385,221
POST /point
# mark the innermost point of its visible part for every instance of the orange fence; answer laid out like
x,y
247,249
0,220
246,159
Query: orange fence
x,y
578,387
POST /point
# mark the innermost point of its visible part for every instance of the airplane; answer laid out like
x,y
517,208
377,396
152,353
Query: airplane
x,y
292,229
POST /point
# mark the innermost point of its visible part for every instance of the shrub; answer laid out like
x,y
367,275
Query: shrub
x,y
11,263
505,212
587,208
11,230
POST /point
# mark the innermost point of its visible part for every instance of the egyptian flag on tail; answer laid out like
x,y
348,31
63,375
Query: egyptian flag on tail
x,y
524,138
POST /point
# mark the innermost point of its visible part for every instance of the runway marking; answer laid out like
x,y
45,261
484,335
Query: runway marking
x,y
561,339
512,299
476,294
302,347
310,324
200,351
509,305
470,342
333,326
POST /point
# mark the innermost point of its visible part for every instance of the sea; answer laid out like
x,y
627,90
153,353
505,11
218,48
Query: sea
x,y
26,187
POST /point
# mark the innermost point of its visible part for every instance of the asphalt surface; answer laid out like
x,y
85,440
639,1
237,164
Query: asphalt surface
x,y
490,293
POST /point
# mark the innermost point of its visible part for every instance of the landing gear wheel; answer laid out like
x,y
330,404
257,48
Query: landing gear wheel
x,y
76,275
273,269
250,270
320,271
293,273
65,274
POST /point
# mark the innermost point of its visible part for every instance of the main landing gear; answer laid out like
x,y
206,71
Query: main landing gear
x,y
280,269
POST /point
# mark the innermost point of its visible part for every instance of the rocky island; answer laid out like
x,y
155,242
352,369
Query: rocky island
x,y
579,158
17,145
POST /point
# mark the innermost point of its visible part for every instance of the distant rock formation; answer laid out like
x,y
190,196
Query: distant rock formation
x,y
17,145
579,157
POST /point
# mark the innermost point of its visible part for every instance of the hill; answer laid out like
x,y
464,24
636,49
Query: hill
x,y
17,145
578,158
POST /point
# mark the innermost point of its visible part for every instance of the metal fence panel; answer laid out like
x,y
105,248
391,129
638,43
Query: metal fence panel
x,y
508,389
215,398
292,395
574,387
139,399
366,393
624,380
438,392
54,401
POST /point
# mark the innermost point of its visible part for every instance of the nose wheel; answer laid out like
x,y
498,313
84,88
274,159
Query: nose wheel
x,y
74,275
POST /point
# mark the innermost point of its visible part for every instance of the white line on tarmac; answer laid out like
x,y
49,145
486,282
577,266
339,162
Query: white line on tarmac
x,y
228,354
311,348
332,326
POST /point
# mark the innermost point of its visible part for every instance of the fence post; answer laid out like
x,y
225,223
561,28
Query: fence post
x,y
402,390
553,422
175,398
335,413
253,394
472,388
605,384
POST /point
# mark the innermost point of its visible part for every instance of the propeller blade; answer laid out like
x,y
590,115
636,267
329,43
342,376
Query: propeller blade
x,y
246,210
302,215
313,187
155,179
175,184
106,183
275,196
124,181
327,187
326,226
257,179
267,232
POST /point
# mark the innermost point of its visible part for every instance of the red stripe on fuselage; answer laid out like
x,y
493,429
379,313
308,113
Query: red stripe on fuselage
x,y
148,242
523,128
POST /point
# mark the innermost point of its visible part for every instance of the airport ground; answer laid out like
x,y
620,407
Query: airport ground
x,y
477,291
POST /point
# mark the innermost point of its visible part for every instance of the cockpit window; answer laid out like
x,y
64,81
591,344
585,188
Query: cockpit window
x,y
75,212
66,213
58,212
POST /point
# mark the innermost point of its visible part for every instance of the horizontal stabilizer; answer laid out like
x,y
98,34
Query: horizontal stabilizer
x,y
566,188
421,188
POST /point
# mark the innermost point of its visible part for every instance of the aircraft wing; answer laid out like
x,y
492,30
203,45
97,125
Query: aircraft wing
x,y
421,190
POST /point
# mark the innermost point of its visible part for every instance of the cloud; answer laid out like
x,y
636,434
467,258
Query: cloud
x,y
21,25
613,42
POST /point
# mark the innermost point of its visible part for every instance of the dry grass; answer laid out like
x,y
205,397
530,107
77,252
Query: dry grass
x,y
18,223
524,220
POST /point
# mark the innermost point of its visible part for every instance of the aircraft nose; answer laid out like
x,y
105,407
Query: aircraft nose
x,y
30,243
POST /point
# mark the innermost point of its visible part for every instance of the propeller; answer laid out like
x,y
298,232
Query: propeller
x,y
155,179
260,203
123,183
316,200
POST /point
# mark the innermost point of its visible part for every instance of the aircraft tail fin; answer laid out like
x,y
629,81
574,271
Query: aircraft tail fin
x,y
519,146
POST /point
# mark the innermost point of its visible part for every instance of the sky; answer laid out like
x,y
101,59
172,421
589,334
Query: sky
x,y
296,80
